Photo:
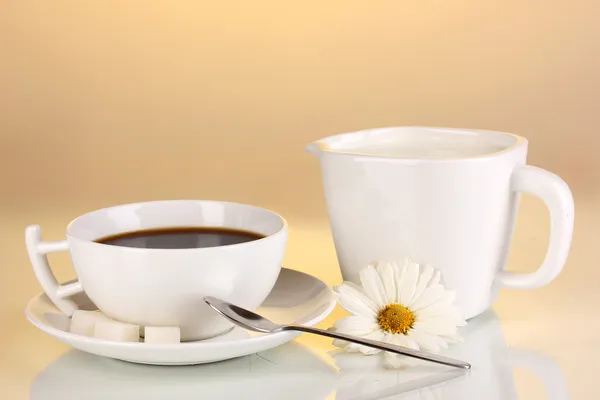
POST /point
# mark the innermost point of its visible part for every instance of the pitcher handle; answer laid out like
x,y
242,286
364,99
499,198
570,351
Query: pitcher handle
x,y
38,251
559,200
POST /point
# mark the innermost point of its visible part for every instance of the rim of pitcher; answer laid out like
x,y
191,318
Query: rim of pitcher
x,y
321,145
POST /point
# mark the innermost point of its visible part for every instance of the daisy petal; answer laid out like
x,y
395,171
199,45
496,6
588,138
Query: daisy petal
x,y
440,307
386,272
391,360
368,351
456,338
437,326
405,341
430,296
396,361
436,278
409,284
355,302
399,361
355,307
355,325
340,343
426,341
372,285
377,335
355,347
422,282
346,346
396,269
400,272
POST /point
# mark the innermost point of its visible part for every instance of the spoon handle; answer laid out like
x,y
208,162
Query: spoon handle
x,y
422,355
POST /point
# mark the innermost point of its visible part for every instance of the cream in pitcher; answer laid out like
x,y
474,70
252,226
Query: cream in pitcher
x,y
444,197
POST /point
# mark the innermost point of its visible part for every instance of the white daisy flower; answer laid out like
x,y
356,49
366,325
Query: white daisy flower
x,y
404,305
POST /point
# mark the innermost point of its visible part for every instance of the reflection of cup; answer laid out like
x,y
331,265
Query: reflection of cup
x,y
491,376
165,287
287,372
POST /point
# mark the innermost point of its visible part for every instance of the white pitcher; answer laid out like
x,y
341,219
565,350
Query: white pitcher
x,y
444,197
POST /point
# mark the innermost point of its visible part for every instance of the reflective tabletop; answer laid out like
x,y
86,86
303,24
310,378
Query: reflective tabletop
x,y
539,344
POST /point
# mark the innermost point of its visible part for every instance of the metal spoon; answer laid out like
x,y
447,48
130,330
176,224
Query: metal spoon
x,y
254,322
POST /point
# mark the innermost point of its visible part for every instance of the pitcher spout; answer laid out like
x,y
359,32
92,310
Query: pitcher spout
x,y
315,148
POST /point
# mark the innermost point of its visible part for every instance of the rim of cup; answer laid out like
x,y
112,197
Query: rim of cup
x,y
282,229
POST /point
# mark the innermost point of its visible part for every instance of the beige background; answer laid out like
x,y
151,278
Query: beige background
x,y
109,102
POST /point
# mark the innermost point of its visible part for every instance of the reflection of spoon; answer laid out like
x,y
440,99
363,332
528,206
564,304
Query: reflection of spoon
x,y
252,321
417,382
363,378
290,371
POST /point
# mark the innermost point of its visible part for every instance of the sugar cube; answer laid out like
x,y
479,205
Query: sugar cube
x,y
162,334
116,331
82,322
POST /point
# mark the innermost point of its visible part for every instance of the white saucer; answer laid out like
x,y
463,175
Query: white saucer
x,y
296,297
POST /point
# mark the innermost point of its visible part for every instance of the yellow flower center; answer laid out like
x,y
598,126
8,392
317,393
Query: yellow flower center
x,y
395,318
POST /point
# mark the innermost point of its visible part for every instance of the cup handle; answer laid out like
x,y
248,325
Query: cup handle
x,y
558,198
38,251
544,368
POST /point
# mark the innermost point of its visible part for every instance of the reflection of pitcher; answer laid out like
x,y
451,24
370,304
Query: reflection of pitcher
x,y
290,371
443,197
491,377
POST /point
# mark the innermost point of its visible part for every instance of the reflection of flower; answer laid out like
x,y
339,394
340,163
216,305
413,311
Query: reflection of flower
x,y
404,305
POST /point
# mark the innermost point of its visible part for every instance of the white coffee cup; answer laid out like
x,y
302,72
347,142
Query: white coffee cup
x,y
444,197
165,287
